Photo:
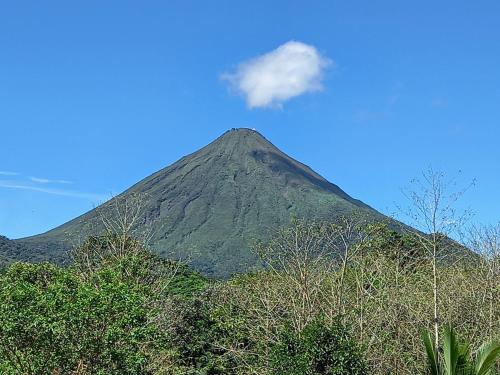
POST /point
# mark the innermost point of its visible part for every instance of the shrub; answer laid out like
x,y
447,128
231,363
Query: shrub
x,y
318,349
52,321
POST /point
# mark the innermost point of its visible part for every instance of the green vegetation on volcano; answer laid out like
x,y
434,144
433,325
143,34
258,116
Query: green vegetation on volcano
x,y
212,205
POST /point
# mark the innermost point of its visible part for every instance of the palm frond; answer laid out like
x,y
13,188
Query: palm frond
x,y
486,357
432,355
451,351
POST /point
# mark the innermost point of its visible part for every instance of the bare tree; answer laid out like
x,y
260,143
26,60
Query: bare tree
x,y
485,241
432,210
312,260
114,233
301,257
124,234
347,236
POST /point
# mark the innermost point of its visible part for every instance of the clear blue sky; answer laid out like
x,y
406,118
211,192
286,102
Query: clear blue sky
x,y
95,95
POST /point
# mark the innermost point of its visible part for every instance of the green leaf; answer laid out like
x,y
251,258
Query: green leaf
x,y
432,358
486,357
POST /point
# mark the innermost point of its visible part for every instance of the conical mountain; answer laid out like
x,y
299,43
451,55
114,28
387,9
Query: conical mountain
x,y
213,204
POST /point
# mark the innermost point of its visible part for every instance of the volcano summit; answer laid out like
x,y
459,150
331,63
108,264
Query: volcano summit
x,y
214,203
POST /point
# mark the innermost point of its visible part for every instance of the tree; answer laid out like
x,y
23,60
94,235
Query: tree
x,y
108,313
432,210
348,236
52,321
320,349
301,258
485,241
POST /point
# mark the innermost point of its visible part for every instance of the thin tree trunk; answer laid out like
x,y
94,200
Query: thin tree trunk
x,y
341,286
435,291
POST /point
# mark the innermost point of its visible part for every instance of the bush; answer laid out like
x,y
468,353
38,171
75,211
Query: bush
x,y
119,309
51,321
318,349
193,334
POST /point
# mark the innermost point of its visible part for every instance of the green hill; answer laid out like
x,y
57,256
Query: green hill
x,y
11,250
211,205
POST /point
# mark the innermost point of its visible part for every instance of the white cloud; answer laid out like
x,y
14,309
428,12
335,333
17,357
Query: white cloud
x,y
6,173
269,80
40,180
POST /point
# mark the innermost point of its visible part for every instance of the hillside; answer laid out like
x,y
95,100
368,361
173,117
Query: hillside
x,y
11,250
211,205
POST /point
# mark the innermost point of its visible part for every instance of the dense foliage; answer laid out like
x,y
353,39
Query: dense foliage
x,y
9,250
106,316
51,319
322,306
318,349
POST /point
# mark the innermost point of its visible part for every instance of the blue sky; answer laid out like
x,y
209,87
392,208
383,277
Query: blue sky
x,y
96,95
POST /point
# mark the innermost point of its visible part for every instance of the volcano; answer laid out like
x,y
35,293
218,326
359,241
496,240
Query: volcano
x,y
212,205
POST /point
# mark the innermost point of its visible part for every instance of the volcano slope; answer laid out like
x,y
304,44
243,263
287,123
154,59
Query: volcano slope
x,y
211,205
